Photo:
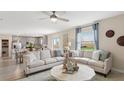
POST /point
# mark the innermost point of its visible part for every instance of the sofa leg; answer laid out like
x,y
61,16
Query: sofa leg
x,y
26,75
110,71
105,75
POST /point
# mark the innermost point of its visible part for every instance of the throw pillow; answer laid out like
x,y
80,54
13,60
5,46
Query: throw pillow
x,y
58,53
37,54
88,54
74,53
32,57
45,54
96,55
103,55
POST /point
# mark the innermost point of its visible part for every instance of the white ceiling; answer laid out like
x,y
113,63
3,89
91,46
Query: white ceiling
x,y
28,23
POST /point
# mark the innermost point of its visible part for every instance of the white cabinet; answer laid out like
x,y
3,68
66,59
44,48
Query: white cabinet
x,y
5,45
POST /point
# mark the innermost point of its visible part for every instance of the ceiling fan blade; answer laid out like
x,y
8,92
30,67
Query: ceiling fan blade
x,y
60,13
47,13
53,12
43,18
62,19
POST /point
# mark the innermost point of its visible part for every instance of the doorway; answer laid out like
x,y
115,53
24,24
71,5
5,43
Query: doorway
x,y
5,47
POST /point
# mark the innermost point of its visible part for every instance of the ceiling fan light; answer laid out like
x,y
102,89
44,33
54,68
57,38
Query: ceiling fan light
x,y
54,19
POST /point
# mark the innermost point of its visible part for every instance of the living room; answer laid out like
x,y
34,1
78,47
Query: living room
x,y
53,46
35,43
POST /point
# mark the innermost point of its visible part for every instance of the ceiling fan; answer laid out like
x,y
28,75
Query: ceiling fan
x,y
54,18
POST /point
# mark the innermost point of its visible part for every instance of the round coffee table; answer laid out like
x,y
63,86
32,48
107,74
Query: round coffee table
x,y
84,73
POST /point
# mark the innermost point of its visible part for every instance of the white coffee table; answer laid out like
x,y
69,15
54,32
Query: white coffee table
x,y
84,73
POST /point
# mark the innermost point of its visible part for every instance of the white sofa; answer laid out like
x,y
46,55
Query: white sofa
x,y
40,60
85,57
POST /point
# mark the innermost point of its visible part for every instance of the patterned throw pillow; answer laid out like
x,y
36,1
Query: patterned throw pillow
x,y
96,55
32,57
37,54
45,54
74,53
88,54
103,55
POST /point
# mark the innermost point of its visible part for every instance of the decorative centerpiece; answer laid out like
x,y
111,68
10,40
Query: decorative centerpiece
x,y
69,66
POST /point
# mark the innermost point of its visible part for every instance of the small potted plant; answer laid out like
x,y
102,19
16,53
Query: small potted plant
x,y
30,46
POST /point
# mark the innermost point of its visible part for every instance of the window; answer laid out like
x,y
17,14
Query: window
x,y
41,41
85,39
56,43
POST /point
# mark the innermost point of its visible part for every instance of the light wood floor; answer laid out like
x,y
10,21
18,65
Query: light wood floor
x,y
10,70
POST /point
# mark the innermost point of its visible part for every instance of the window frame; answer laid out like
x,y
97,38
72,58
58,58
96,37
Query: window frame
x,y
92,44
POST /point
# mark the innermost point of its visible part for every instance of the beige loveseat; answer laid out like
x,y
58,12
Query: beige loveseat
x,y
40,60
85,57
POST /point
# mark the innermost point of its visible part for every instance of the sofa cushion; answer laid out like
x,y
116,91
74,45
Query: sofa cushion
x,y
81,60
31,56
96,55
52,53
92,62
36,63
74,53
59,58
45,54
87,54
50,60
81,53
37,54
103,55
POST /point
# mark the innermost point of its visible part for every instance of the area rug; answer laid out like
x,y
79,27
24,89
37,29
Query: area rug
x,y
41,76
45,76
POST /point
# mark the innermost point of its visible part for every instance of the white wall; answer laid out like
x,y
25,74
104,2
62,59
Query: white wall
x,y
56,35
110,44
70,35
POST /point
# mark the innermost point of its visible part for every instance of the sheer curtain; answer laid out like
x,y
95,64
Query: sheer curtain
x,y
77,34
96,34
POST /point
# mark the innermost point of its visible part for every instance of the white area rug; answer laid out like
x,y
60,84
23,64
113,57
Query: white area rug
x,y
41,76
45,76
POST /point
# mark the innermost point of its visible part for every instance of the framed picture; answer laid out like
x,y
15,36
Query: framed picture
x,y
56,42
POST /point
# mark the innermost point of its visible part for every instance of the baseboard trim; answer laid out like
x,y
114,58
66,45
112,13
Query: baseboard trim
x,y
118,70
